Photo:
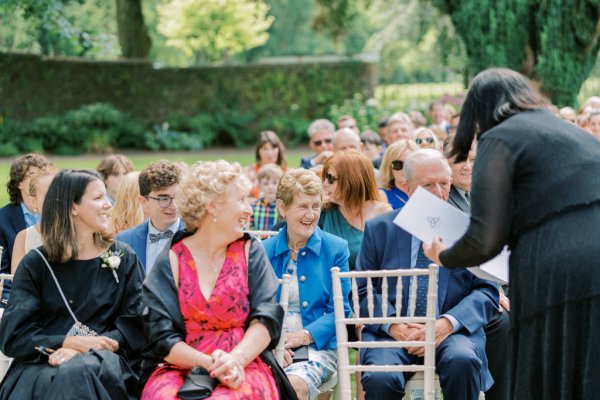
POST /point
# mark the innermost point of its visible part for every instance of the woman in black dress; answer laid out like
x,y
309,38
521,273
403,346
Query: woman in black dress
x,y
536,187
101,283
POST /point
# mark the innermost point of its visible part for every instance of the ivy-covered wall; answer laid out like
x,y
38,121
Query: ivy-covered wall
x,y
33,86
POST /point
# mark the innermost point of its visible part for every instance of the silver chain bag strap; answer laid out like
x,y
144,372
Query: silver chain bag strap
x,y
78,328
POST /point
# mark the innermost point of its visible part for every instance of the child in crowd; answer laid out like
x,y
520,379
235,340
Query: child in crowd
x,y
264,214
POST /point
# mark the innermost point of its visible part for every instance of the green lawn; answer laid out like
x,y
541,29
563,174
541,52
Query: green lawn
x,y
141,159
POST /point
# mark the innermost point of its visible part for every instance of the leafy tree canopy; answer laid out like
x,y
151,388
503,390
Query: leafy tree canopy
x,y
211,30
555,42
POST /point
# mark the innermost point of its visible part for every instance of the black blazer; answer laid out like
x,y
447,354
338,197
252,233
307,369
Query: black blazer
x,y
12,221
458,201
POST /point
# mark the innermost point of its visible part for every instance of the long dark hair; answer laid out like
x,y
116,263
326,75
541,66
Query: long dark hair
x,y
495,95
58,229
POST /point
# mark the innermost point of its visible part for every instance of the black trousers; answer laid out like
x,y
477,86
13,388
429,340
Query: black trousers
x,y
497,350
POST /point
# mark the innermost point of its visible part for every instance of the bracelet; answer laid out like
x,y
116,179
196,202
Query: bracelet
x,y
310,338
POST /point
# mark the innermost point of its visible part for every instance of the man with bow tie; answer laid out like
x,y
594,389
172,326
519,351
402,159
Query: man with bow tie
x,y
159,184
465,303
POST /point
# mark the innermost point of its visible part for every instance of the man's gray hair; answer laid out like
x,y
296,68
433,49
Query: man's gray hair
x,y
320,125
400,117
419,157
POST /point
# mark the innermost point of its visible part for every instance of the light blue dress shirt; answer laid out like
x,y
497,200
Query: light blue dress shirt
x,y
153,249
30,218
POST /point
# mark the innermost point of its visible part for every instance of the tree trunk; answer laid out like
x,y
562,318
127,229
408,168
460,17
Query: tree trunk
x,y
133,36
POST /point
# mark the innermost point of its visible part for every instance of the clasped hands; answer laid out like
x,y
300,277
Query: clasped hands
x,y
410,332
73,345
292,341
227,368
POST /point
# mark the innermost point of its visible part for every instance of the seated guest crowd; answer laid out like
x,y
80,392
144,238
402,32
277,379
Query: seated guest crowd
x,y
141,284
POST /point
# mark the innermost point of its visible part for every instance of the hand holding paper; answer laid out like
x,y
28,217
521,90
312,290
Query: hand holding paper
x,y
426,216
433,250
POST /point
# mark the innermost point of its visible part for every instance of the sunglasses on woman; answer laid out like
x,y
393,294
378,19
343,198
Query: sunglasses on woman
x,y
397,165
420,140
330,178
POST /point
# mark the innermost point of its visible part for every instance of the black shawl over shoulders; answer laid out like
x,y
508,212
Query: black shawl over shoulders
x,y
164,323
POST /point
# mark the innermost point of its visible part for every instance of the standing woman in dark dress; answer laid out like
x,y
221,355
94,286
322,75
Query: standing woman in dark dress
x,y
102,292
536,187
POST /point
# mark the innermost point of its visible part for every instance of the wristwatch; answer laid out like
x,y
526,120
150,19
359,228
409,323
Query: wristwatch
x,y
310,338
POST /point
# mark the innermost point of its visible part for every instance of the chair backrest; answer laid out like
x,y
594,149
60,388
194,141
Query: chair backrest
x,y
284,303
341,320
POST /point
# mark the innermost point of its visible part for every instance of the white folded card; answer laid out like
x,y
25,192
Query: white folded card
x,y
425,216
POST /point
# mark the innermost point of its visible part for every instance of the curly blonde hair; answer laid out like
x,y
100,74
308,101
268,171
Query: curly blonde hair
x,y
203,183
127,211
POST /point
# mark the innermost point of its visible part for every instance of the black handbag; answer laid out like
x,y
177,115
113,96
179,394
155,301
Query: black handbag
x,y
197,385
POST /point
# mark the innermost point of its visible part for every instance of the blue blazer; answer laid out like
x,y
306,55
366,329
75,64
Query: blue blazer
x,y
137,238
314,263
471,300
305,162
12,221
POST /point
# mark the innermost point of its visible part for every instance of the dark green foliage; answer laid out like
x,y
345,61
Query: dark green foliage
x,y
228,105
163,138
555,41
367,113
91,128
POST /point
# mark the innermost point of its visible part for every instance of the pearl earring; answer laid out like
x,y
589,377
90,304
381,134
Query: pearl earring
x,y
214,219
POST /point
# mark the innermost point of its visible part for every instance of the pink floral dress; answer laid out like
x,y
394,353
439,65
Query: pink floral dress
x,y
214,323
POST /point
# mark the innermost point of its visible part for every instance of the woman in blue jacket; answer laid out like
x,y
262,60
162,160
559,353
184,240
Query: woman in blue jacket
x,y
307,253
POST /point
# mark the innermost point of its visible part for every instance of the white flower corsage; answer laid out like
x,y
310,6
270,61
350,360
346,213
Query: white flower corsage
x,y
112,260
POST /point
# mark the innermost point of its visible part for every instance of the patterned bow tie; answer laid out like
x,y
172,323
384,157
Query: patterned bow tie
x,y
155,237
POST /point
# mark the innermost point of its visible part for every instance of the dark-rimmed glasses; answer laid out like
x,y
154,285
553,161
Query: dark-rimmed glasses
x,y
397,165
421,140
330,178
163,201
320,142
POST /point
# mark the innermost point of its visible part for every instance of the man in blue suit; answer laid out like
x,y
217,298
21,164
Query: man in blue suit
x,y
15,217
159,185
465,303
320,132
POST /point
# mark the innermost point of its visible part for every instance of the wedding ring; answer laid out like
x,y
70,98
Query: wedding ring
x,y
62,359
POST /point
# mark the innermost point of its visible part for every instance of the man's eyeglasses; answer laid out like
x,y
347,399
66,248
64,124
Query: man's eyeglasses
x,y
320,142
397,165
421,140
163,201
330,178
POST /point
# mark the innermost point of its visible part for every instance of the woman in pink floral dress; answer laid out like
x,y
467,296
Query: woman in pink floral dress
x,y
211,297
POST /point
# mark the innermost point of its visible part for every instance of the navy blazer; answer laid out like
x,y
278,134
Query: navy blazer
x,y
471,300
12,221
137,238
458,201
305,162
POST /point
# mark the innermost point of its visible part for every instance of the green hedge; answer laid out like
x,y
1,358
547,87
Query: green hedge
x,y
224,105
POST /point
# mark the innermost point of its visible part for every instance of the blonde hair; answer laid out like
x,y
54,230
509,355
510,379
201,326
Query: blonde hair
x,y
204,183
270,171
127,211
295,181
48,170
393,152
417,132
